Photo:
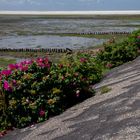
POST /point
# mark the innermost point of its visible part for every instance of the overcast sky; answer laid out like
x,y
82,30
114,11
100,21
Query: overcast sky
x,y
69,5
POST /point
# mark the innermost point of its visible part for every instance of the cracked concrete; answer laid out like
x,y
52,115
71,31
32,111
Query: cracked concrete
x,y
111,116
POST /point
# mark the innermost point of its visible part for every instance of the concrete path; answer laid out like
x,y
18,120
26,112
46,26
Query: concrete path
x,y
112,116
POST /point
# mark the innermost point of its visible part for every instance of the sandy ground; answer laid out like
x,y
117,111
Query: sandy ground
x,y
111,116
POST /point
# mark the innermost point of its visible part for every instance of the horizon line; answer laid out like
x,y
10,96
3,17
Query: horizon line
x,y
110,12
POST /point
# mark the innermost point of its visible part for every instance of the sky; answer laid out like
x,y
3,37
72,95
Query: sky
x,y
69,5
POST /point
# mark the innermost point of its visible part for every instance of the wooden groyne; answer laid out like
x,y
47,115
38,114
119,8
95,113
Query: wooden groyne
x,y
47,50
105,33
92,33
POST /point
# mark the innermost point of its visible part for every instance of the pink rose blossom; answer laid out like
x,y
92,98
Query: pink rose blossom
x,y
14,82
42,113
28,62
6,72
39,60
82,60
109,65
12,66
23,68
47,65
46,60
6,86
42,65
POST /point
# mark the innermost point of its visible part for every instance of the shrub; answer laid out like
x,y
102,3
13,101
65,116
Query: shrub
x,y
115,54
37,89
135,38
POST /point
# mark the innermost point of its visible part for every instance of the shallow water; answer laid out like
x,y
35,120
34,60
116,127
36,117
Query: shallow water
x,y
48,42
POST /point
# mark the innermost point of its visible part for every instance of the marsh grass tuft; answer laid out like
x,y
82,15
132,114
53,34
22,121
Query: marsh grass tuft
x,y
105,89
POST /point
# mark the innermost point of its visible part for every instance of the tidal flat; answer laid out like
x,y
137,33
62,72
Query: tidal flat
x,y
18,31
34,31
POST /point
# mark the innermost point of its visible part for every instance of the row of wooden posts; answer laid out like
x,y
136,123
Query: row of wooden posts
x,y
95,33
106,33
48,50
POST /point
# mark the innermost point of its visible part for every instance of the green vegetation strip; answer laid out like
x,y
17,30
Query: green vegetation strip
x,y
98,36
109,17
4,62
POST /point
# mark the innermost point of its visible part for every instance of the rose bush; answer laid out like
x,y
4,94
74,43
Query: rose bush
x,y
115,54
37,89
135,38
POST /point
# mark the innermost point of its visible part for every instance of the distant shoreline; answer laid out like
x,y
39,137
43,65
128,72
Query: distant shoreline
x,y
70,13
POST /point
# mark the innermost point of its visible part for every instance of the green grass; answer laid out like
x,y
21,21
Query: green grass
x,y
5,61
24,33
126,17
23,54
118,38
107,36
54,57
92,36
